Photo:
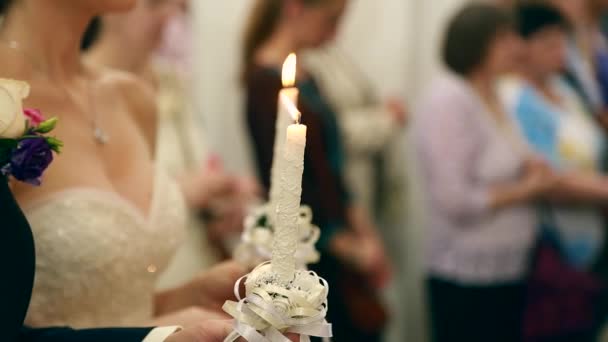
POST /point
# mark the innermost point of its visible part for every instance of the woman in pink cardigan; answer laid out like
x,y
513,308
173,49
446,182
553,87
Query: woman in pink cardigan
x,y
481,185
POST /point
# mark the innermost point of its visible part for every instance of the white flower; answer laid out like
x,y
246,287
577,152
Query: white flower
x,y
12,120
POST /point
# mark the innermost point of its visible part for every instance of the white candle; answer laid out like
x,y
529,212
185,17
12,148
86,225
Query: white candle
x,y
288,93
286,234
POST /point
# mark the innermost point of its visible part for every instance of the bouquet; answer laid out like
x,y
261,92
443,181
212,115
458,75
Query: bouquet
x,y
25,149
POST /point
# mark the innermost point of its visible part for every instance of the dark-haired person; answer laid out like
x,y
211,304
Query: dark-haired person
x,y
559,127
106,220
480,185
353,259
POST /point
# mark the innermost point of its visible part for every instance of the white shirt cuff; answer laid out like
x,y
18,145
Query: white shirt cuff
x,y
160,334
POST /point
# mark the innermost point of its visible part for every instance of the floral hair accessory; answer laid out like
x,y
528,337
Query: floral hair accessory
x,y
25,150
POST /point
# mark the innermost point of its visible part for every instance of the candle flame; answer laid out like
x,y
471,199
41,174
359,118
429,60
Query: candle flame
x,y
289,70
291,108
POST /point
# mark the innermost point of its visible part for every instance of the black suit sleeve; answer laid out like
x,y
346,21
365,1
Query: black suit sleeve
x,y
89,335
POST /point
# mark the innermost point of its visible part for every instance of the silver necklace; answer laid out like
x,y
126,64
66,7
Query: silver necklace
x,y
99,134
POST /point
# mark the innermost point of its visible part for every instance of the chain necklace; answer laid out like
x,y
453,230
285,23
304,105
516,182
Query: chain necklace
x,y
99,134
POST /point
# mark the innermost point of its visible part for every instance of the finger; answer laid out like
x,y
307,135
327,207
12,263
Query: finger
x,y
214,162
293,337
216,285
215,330
229,267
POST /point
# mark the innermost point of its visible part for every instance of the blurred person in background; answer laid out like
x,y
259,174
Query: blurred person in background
x,y
597,10
375,156
481,185
558,126
587,56
130,42
353,257
370,129
176,49
587,72
368,126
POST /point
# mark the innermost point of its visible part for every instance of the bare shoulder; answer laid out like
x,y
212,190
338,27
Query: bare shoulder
x,y
137,94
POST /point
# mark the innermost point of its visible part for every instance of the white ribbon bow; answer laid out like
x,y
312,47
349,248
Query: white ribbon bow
x,y
271,310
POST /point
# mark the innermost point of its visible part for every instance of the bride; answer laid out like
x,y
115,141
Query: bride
x,y
105,220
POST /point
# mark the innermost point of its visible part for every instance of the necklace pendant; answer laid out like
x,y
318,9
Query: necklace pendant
x,y
100,136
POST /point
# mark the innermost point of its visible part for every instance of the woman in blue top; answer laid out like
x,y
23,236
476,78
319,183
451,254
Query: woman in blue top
x,y
556,125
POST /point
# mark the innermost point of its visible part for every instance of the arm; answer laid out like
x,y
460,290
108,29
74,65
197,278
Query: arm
x,y
208,290
207,331
91,335
571,185
517,192
451,143
366,125
581,187
362,248
360,220
367,130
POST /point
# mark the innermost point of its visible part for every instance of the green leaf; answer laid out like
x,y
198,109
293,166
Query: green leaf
x,y
55,144
47,126
28,136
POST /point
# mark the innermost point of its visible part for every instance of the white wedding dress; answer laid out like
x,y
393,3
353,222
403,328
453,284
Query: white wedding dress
x,y
98,256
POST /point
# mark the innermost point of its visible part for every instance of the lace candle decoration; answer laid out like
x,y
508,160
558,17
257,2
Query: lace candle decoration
x,y
287,233
281,298
282,121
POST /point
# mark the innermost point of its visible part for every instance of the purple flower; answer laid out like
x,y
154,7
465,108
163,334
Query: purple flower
x,y
30,159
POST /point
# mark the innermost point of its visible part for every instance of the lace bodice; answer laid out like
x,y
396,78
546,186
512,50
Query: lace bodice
x,y
98,256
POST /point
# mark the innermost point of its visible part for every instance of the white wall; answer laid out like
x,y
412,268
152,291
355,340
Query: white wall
x,y
428,23
394,41
376,35
397,41
218,28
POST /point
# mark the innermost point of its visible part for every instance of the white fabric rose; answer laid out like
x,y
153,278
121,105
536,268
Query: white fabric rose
x,y
12,120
